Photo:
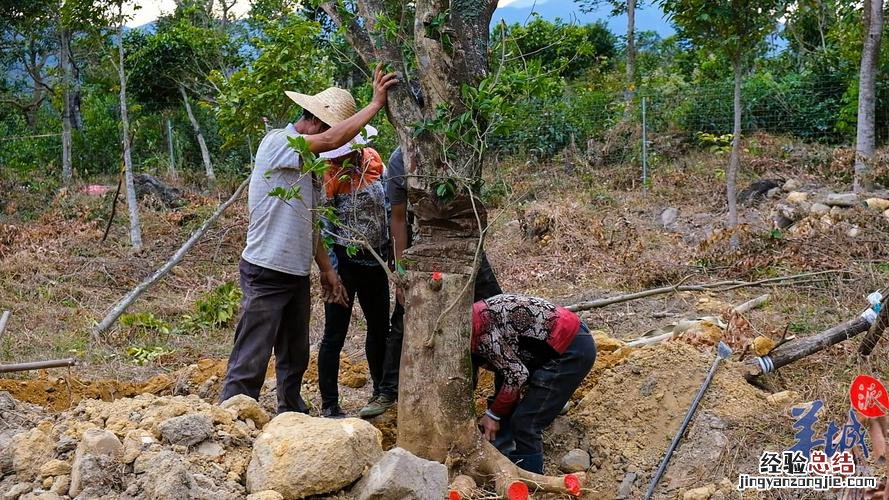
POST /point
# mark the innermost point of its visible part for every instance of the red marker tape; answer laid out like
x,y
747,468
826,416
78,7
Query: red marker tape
x,y
572,484
517,491
868,396
436,275
454,495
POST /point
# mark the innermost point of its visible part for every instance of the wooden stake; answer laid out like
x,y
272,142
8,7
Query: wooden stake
x,y
3,320
876,330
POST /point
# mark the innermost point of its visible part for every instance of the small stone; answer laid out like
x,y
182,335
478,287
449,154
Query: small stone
x,y
819,209
792,185
265,495
797,197
853,232
886,214
702,493
842,199
135,442
55,468
186,430
210,449
99,450
576,460
60,484
244,407
782,397
17,491
669,216
880,204
775,192
47,483
43,495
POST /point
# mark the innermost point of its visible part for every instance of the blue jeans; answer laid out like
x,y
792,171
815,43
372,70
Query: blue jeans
x,y
546,392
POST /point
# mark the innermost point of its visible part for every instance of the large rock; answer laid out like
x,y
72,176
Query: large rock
x,y
30,450
96,464
298,455
792,185
400,474
187,430
841,200
244,407
576,460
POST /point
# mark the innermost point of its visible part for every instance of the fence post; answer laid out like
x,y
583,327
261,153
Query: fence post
x,y
644,146
172,167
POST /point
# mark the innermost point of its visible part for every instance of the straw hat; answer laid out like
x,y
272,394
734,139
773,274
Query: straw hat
x,y
331,105
347,148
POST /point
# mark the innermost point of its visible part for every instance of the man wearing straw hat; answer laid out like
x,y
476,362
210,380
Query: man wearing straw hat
x,y
281,244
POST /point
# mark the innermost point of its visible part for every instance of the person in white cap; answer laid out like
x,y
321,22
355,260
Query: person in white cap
x,y
281,244
354,189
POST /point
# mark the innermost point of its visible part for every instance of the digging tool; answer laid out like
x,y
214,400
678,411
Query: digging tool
x,y
723,351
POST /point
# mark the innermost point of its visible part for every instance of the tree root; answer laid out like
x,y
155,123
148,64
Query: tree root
x,y
488,465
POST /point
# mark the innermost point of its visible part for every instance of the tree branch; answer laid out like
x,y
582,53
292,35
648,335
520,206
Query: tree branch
x,y
358,37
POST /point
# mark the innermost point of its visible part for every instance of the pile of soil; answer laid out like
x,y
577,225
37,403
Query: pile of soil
x,y
630,414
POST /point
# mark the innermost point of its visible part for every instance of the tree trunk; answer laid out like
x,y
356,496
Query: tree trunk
x,y
731,175
436,418
65,63
132,203
205,153
870,64
631,50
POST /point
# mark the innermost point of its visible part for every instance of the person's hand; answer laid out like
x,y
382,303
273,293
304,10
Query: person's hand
x,y
489,427
381,85
332,289
399,296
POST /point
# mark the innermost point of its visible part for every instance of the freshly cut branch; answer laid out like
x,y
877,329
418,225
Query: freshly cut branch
x,y
793,351
177,257
38,365
720,286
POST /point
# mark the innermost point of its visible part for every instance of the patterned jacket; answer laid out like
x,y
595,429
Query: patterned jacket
x,y
516,333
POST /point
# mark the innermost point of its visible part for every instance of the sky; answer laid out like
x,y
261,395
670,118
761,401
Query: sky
x,y
512,11
151,9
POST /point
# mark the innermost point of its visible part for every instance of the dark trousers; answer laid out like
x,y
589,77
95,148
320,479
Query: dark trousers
x,y
275,317
486,286
548,389
371,285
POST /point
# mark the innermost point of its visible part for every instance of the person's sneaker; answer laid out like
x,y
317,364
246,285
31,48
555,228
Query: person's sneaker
x,y
377,406
333,412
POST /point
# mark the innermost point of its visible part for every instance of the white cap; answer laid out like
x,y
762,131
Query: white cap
x,y
350,146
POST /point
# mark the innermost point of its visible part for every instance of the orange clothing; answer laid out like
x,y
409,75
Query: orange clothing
x,y
340,179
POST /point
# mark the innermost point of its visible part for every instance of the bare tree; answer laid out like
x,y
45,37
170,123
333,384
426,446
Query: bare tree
x,y
870,65
205,153
132,202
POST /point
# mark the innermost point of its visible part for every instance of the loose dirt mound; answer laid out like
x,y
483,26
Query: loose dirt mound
x,y
634,408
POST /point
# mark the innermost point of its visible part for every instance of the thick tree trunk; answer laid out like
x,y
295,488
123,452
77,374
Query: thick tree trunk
x,y
631,49
870,64
132,203
205,153
65,64
734,163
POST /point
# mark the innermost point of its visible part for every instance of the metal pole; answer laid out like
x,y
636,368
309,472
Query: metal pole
x,y
38,365
644,146
170,145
